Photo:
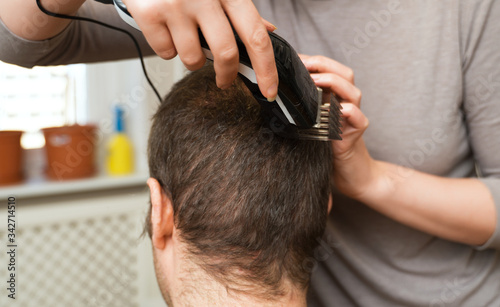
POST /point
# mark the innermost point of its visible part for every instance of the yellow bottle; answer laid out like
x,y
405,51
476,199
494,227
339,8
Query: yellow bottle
x,y
120,159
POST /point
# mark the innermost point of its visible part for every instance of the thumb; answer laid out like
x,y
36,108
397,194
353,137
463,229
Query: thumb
x,y
269,26
354,117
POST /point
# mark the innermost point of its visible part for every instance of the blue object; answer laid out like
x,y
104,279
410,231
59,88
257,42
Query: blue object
x,y
119,127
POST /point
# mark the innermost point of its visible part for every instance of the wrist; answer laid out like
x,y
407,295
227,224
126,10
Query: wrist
x,y
379,184
62,7
356,174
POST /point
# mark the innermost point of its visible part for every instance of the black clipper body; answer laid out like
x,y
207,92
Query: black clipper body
x,y
300,110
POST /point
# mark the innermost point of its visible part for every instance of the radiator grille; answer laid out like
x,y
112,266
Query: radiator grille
x,y
89,262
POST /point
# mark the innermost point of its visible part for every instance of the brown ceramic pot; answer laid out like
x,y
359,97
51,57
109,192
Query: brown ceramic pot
x,y
10,157
70,151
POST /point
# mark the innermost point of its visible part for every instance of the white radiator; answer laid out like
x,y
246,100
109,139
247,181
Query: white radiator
x,y
80,252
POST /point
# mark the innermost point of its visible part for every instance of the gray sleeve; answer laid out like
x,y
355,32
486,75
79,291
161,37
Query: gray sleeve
x,y
80,42
480,39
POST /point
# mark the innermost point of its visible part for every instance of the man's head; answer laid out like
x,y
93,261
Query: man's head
x,y
230,200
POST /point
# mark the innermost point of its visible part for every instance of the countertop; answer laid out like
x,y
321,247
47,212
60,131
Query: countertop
x,y
43,188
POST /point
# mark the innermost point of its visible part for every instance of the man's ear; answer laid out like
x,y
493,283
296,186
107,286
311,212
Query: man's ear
x,y
162,214
330,202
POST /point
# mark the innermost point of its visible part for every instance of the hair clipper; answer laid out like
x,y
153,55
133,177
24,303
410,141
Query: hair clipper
x,y
301,110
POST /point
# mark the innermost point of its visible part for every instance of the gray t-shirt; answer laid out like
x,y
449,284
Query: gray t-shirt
x,y
429,71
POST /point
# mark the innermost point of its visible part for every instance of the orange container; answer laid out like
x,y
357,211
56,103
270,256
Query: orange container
x,y
70,151
10,157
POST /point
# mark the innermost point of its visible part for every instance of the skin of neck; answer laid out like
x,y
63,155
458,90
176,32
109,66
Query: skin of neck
x,y
184,283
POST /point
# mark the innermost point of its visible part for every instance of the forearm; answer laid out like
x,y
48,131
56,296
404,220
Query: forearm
x,y
457,209
24,18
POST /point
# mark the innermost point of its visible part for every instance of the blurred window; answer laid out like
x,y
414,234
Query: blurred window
x,y
31,99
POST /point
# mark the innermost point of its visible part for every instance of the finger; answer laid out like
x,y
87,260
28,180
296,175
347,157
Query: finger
x,y
269,26
154,28
338,85
354,117
321,64
220,37
160,40
187,41
303,57
248,24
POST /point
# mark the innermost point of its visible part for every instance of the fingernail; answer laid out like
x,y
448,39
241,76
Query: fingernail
x,y
315,77
221,85
272,92
274,27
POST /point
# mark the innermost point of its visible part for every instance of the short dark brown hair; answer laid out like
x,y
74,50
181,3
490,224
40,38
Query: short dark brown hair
x,y
249,205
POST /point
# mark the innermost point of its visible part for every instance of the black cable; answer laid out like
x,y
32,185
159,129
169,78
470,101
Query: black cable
x,y
57,15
